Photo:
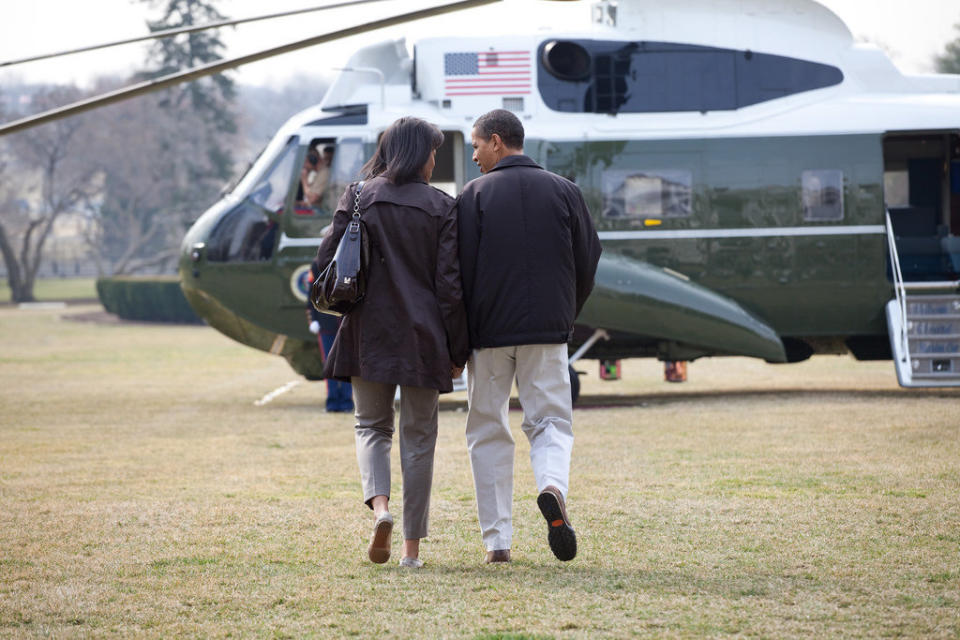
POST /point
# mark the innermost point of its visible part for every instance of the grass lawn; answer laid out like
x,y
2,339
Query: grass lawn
x,y
56,289
142,493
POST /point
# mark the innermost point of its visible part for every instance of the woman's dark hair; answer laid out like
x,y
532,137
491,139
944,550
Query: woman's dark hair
x,y
403,150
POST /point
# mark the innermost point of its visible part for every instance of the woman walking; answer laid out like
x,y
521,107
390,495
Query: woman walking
x,y
410,329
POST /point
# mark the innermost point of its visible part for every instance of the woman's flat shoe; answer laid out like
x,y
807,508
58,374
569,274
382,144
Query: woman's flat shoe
x,y
412,563
379,550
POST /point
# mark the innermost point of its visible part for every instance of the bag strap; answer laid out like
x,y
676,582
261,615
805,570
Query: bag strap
x,y
355,223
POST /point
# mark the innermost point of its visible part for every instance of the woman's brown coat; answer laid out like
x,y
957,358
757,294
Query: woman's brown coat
x,y
411,327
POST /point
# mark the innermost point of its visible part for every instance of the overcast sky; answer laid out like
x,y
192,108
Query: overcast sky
x,y
912,32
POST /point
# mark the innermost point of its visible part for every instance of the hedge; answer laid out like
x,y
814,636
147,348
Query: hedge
x,y
146,298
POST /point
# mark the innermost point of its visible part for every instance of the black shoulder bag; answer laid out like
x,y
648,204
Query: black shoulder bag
x,y
342,285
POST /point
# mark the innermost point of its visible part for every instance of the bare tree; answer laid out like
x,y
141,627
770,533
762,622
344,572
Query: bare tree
x,y
949,60
212,98
47,159
141,154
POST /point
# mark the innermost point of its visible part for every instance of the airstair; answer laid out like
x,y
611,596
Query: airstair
x,y
924,325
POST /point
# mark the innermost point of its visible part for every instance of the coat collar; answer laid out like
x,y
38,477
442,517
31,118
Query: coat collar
x,y
515,161
413,194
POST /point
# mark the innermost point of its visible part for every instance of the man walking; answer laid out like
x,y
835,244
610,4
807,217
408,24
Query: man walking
x,y
528,255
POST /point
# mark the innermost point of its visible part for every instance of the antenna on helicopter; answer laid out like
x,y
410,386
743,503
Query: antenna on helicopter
x,y
169,33
223,65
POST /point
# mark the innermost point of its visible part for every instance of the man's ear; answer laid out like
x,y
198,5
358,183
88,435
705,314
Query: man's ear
x,y
497,141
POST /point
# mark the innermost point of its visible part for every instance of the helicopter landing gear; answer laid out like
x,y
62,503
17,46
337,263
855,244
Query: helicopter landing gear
x,y
574,385
574,376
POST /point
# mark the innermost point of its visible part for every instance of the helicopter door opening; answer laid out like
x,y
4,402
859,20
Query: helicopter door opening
x,y
921,190
326,167
448,175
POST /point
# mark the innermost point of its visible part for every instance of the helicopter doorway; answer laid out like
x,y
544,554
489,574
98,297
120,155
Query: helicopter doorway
x,y
921,189
448,175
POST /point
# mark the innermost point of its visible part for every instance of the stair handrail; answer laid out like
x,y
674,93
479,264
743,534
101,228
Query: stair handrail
x,y
898,287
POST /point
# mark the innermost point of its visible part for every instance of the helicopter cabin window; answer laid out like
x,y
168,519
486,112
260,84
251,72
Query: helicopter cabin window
x,y
328,167
896,188
606,76
347,162
646,194
314,180
325,167
822,195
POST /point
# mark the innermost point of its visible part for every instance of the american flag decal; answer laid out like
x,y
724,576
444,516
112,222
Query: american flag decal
x,y
487,73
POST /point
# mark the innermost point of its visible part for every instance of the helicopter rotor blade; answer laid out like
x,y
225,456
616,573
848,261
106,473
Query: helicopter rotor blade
x,y
168,33
223,65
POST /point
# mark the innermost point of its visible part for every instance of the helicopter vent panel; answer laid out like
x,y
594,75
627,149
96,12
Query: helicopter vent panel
x,y
513,104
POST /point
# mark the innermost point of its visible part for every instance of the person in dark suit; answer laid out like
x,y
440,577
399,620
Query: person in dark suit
x,y
325,326
528,256
409,330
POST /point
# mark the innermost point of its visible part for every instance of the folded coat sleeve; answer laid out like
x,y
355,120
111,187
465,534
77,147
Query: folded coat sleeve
x,y
586,248
450,291
468,240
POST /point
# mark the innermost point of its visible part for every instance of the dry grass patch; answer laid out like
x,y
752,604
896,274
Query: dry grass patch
x,y
142,493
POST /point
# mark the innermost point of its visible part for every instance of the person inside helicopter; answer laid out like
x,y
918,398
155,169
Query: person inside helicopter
x,y
315,175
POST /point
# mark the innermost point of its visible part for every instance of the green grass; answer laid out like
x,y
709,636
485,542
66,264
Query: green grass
x,y
56,289
143,494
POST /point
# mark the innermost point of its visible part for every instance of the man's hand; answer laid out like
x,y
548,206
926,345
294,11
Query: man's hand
x,y
456,372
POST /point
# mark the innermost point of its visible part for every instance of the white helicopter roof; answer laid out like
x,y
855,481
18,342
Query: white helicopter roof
x,y
441,83
798,28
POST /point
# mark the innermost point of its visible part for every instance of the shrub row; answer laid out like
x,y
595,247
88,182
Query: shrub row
x,y
146,298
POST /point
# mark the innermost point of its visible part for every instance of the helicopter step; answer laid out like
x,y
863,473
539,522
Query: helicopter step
x,y
926,347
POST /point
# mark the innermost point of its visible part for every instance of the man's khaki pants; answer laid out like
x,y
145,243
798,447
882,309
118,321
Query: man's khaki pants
x,y
543,383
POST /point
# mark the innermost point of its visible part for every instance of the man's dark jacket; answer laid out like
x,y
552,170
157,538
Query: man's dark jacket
x,y
528,255
411,328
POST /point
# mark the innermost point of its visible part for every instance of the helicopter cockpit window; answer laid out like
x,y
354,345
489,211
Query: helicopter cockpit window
x,y
243,234
270,191
822,195
248,231
643,194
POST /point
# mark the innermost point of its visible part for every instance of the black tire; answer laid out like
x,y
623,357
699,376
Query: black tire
x,y
574,385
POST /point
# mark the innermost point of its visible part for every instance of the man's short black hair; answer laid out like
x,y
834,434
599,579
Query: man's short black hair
x,y
504,124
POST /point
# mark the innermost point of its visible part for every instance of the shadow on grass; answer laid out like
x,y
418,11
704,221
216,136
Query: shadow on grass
x,y
577,579
641,400
600,401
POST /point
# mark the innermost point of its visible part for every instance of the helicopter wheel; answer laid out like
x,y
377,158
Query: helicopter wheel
x,y
574,385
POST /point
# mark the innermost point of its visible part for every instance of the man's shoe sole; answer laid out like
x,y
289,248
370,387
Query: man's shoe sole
x,y
562,539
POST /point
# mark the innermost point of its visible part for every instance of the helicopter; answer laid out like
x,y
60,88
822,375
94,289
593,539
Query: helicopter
x,y
762,185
